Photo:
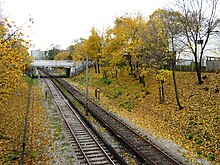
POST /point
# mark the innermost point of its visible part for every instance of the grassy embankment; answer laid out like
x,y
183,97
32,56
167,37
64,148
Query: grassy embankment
x,y
196,128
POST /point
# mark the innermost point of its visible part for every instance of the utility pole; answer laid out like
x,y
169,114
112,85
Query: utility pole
x,y
87,85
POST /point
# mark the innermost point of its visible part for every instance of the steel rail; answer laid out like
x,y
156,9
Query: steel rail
x,y
142,153
82,123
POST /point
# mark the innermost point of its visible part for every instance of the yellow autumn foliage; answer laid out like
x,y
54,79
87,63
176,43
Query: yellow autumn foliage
x,y
14,59
162,75
64,55
194,128
12,117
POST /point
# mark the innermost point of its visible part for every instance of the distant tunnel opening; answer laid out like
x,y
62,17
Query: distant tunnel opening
x,y
68,72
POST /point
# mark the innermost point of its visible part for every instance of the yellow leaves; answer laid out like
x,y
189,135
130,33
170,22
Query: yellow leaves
x,y
195,128
162,74
93,45
147,71
12,122
13,55
65,55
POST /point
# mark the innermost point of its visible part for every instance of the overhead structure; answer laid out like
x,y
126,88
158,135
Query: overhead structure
x,y
71,67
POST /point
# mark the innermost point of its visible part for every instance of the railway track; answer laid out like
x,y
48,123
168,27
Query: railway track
x,y
88,145
146,151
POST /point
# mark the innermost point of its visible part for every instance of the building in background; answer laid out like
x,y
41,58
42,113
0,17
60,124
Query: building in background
x,y
211,56
38,54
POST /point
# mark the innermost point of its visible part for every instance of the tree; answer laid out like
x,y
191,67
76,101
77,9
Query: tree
x,y
156,40
93,48
53,52
173,27
166,27
14,59
199,20
79,50
64,55
161,78
71,48
124,42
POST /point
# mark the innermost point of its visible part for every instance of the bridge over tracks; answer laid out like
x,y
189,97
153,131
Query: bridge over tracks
x,y
70,66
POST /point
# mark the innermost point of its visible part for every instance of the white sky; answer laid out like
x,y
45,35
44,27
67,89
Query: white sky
x,y
60,22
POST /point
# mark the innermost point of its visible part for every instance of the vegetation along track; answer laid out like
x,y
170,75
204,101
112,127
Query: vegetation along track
x,y
140,146
89,147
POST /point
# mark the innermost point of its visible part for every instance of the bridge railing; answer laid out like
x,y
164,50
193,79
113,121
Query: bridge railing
x,y
52,63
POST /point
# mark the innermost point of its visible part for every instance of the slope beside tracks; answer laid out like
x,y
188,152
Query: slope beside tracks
x,y
21,115
27,135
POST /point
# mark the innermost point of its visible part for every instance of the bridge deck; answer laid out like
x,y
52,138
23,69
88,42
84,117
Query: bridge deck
x,y
54,63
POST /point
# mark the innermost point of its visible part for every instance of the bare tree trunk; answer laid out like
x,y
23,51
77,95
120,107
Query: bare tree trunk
x,y
175,86
143,81
105,76
98,66
198,72
130,65
160,98
116,72
128,57
162,91
95,67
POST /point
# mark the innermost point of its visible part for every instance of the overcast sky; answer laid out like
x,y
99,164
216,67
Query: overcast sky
x,y
59,22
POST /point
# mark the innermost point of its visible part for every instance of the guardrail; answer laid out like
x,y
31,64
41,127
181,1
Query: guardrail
x,y
53,63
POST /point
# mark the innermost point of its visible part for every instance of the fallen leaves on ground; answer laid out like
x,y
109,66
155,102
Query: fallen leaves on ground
x,y
196,128
12,116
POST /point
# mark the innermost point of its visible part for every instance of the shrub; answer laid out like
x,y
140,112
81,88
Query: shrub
x,y
129,106
106,81
117,92
34,154
199,141
190,136
14,156
199,152
211,157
